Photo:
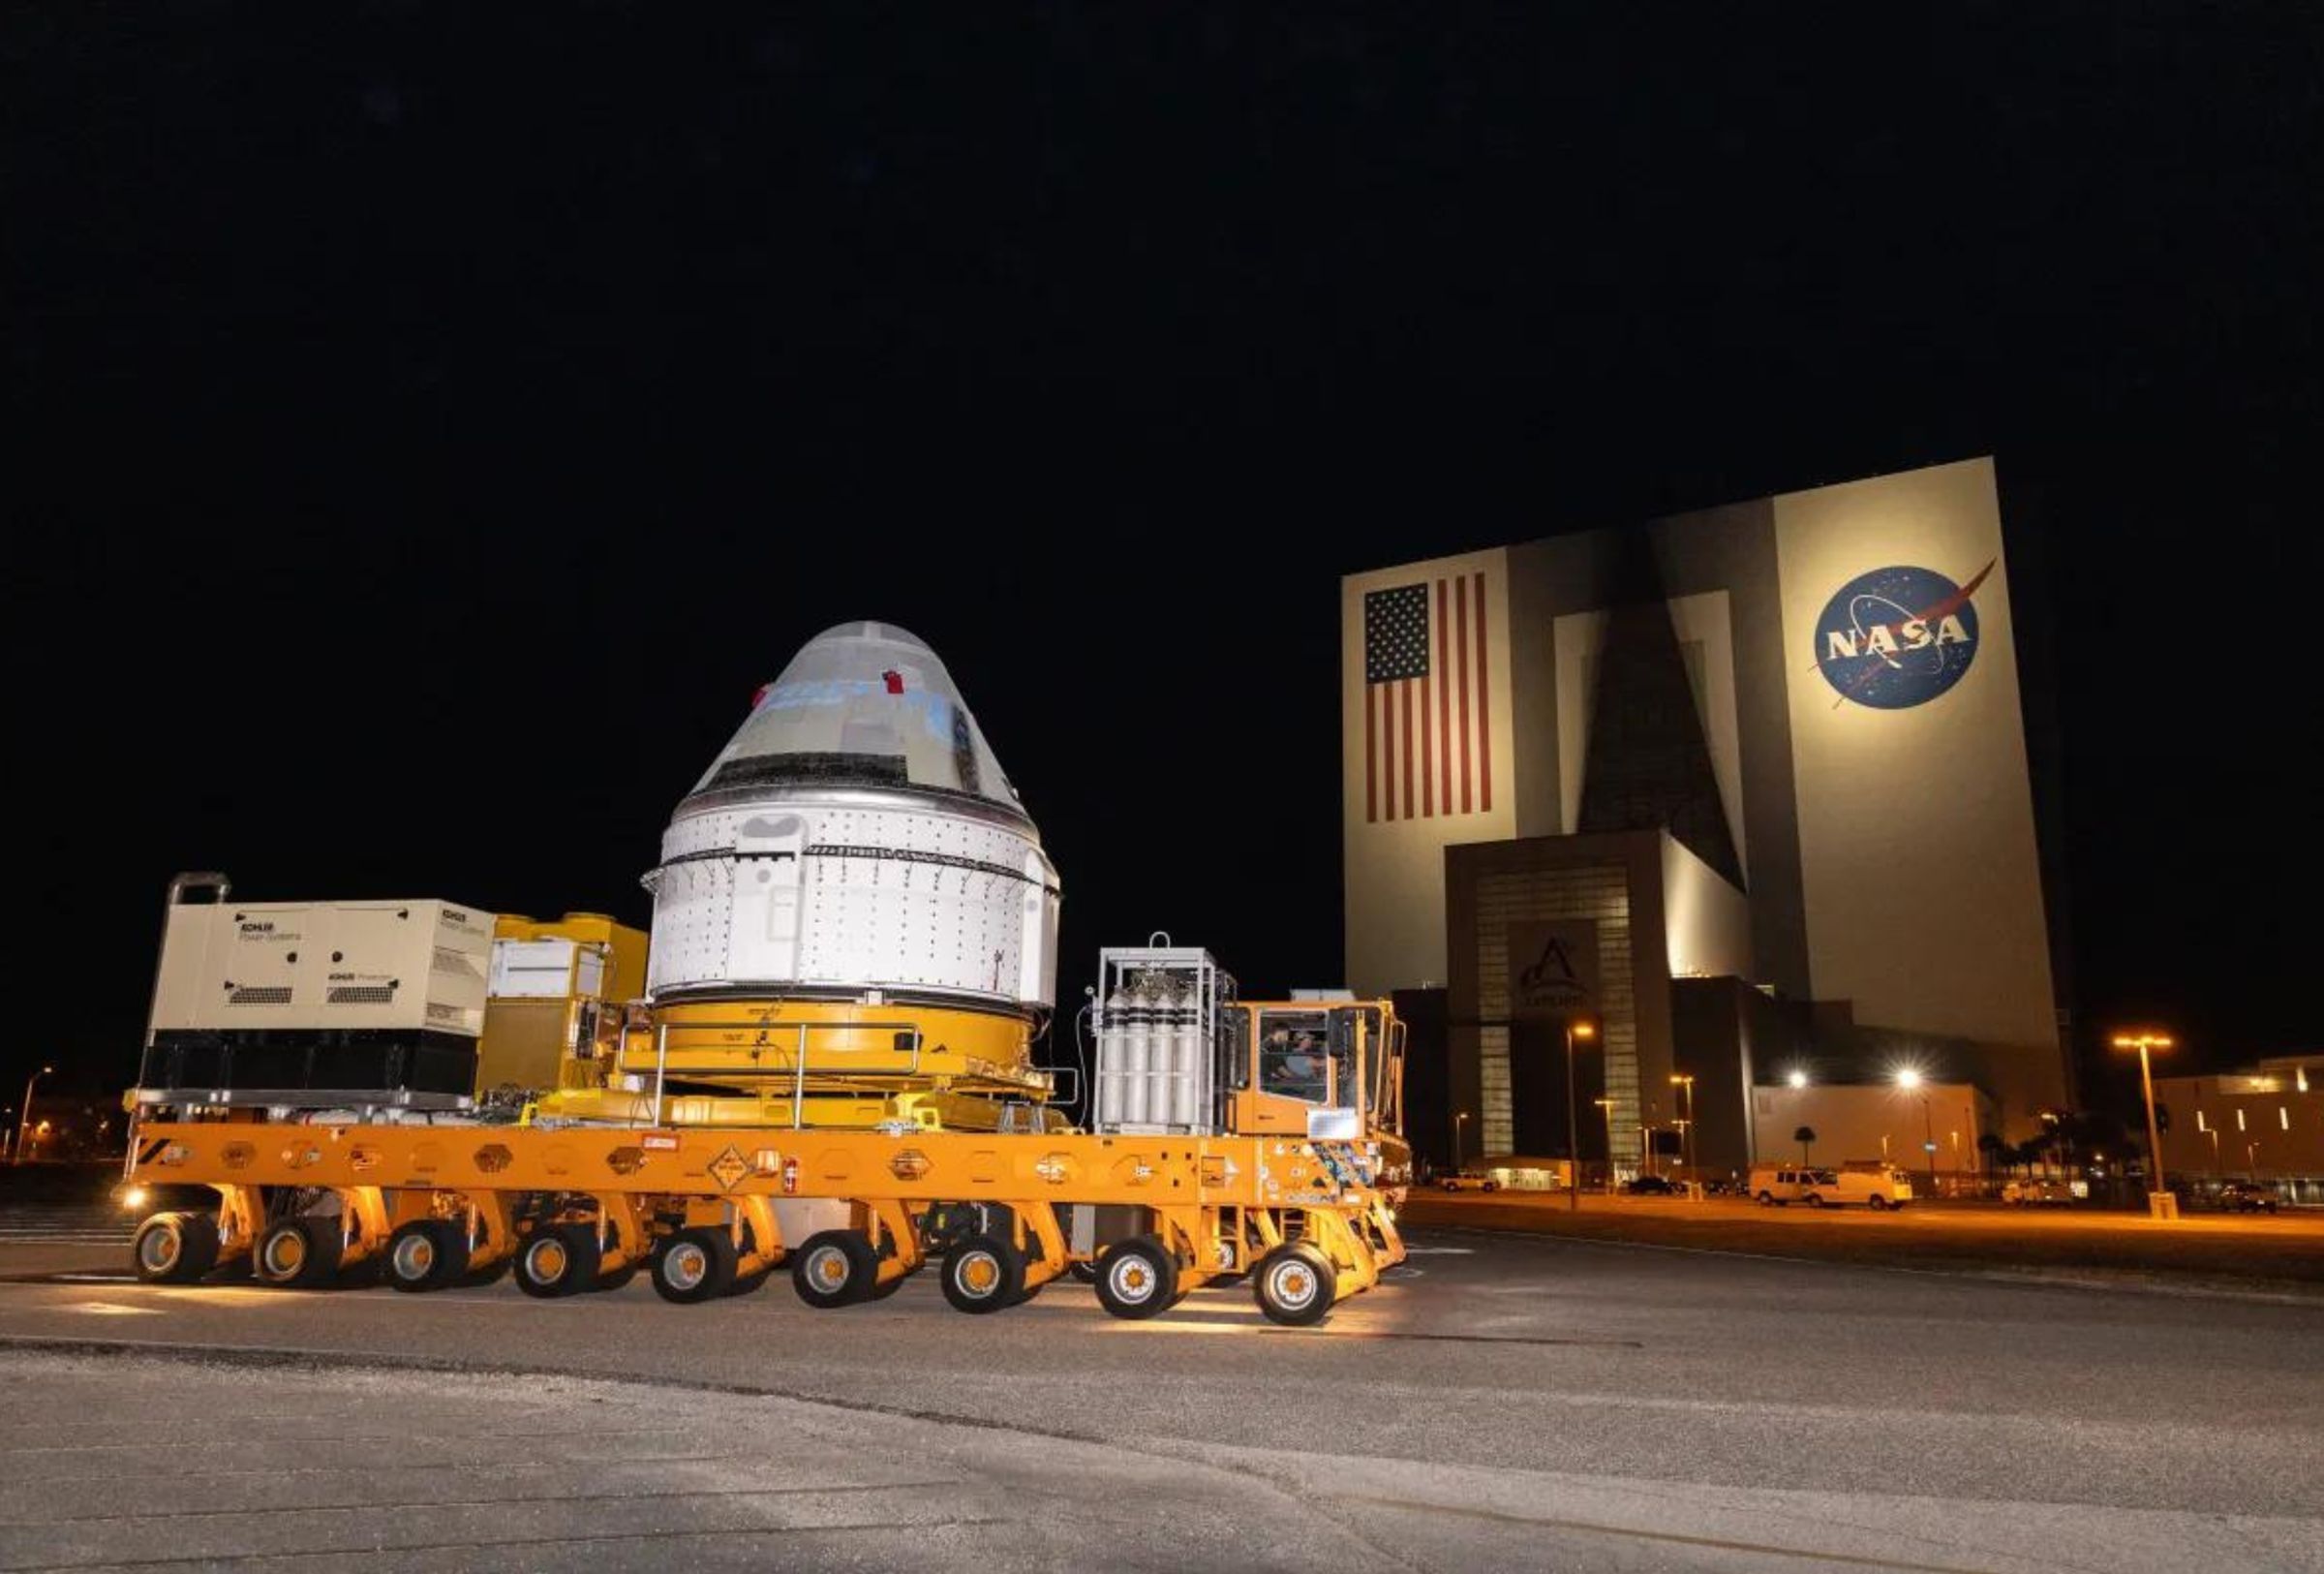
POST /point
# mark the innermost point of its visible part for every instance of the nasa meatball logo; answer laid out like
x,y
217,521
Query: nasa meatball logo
x,y
1898,637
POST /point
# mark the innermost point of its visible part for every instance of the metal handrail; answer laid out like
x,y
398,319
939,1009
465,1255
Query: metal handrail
x,y
798,1067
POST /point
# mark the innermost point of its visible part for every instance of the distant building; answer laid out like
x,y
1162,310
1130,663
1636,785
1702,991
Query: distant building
x,y
1929,1129
2266,1124
1743,788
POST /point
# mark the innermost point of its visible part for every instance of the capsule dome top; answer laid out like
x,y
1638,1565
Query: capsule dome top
x,y
862,705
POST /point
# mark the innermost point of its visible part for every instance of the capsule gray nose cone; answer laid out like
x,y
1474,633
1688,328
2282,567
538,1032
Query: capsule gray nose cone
x,y
857,834
862,705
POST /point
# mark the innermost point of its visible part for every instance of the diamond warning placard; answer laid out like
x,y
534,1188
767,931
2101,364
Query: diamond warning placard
x,y
729,1169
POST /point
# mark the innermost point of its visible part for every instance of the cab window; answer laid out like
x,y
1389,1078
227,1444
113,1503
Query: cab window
x,y
1295,1055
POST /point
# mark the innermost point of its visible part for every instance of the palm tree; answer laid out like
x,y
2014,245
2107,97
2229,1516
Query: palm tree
x,y
1805,1136
1990,1148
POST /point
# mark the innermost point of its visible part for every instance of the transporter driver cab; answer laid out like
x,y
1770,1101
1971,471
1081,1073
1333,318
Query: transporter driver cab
x,y
1293,1062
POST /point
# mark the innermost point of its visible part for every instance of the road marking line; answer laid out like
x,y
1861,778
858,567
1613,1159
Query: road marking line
x,y
1802,1555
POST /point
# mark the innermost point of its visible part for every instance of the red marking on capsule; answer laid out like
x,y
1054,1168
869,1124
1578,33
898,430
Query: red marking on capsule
x,y
894,681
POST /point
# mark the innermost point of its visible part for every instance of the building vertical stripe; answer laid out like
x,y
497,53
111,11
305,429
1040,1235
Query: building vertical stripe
x,y
1406,687
1485,709
1427,756
1461,629
1388,749
1371,761
1444,693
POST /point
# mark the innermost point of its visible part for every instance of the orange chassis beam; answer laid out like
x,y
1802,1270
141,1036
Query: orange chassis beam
x,y
1219,1202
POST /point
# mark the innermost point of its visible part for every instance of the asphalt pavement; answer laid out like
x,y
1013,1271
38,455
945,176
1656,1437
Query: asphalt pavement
x,y
1504,1402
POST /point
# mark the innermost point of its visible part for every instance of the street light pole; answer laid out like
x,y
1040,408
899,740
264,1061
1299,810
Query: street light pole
x,y
26,1120
2160,1202
1578,1030
1687,1130
1456,1119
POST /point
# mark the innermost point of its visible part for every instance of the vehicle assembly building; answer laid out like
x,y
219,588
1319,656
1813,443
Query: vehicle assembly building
x,y
1749,790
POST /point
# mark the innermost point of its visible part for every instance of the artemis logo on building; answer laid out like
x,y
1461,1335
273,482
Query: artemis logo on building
x,y
1898,637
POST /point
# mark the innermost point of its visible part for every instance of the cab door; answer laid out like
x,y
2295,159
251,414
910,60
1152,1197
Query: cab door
x,y
1292,1078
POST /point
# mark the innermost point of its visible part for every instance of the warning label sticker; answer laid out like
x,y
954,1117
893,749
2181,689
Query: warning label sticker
x,y
729,1169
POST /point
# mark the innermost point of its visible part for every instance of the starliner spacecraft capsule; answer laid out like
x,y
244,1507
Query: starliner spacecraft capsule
x,y
857,854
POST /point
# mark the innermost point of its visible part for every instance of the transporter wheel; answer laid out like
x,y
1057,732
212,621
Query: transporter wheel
x,y
1766,1199
613,1279
559,1260
1880,1204
1294,1286
834,1268
749,1283
1815,1199
1084,1272
1137,1277
298,1253
175,1248
426,1254
983,1273
694,1265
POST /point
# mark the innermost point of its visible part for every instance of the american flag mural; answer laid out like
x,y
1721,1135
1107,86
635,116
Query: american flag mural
x,y
1428,737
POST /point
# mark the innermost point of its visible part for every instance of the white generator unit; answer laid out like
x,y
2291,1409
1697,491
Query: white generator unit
x,y
856,838
271,998
1160,1037
414,965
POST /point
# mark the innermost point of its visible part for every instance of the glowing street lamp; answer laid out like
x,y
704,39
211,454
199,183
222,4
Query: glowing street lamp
x,y
1457,1118
2160,1202
1583,1030
1909,1079
1797,1078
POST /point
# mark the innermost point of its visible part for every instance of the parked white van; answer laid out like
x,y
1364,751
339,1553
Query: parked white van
x,y
1877,1186
1775,1185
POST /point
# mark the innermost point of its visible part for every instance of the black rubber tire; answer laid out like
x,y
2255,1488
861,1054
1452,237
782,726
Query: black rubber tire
x,y
613,1279
1766,1199
425,1255
834,1268
694,1265
1137,1277
1814,1199
881,1289
299,1253
559,1260
749,1283
1294,1286
983,1273
175,1249
1084,1272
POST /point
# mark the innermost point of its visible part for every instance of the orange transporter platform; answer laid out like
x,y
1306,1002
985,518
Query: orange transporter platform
x,y
711,1211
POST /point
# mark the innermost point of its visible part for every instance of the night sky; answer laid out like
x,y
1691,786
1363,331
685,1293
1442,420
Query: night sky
x,y
428,425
